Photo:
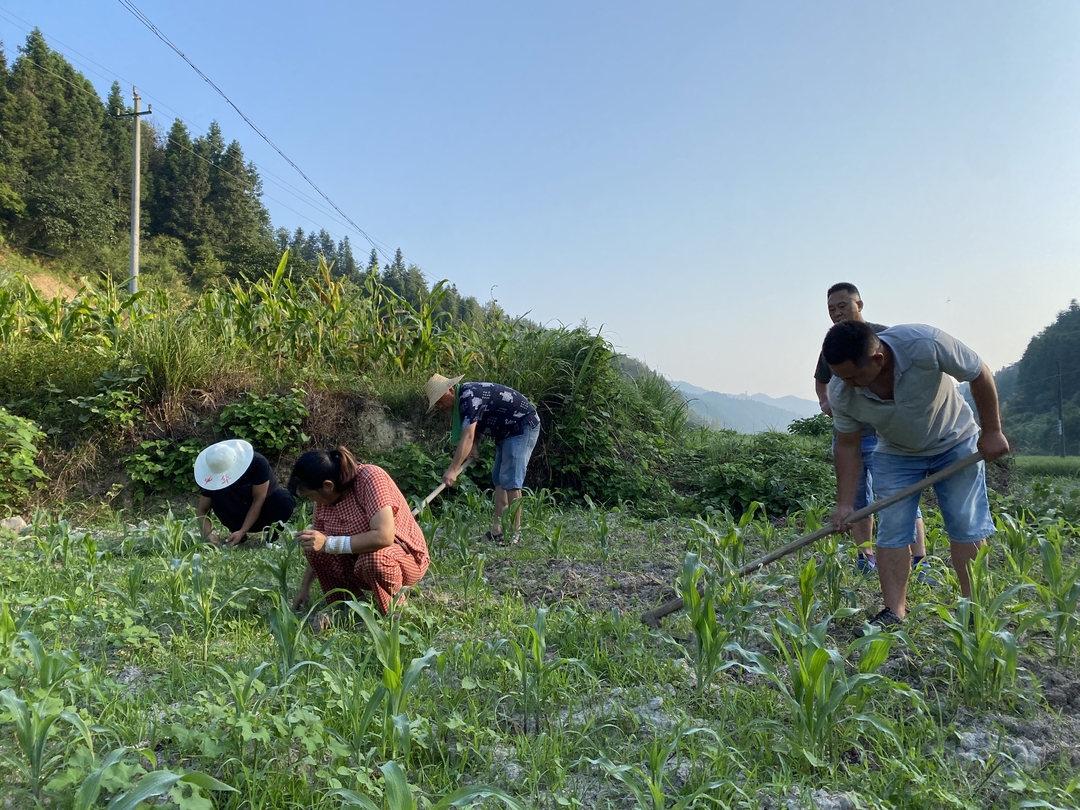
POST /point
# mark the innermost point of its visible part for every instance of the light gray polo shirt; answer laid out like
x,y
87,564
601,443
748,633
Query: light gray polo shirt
x,y
926,415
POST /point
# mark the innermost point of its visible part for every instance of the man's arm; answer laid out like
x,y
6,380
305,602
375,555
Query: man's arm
x,y
847,456
822,390
992,442
464,449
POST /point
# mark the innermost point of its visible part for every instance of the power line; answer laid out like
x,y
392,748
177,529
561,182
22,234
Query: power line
x,y
183,147
112,75
130,6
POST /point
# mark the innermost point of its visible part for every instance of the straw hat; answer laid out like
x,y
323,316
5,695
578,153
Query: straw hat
x,y
436,387
221,464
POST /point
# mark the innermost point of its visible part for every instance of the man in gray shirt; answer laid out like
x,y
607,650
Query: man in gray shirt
x,y
846,304
897,381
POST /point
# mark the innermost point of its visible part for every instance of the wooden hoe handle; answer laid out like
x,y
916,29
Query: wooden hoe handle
x,y
652,618
435,492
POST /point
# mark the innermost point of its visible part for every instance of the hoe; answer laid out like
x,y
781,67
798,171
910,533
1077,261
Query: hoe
x,y
652,618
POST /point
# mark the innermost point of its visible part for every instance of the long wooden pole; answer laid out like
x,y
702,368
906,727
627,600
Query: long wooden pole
x,y
652,618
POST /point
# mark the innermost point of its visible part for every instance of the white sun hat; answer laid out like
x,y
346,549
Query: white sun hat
x,y
221,464
437,386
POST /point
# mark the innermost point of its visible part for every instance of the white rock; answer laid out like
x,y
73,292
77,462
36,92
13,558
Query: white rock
x,y
13,524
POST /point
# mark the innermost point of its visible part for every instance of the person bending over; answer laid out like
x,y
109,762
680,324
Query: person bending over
x,y
898,381
238,485
499,412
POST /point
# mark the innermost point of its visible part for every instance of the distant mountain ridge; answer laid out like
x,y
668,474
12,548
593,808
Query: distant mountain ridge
x,y
745,414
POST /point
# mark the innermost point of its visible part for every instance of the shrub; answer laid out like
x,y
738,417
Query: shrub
x,y
19,472
160,465
271,423
818,425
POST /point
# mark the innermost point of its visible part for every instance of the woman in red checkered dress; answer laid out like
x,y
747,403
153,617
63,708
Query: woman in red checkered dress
x,y
364,538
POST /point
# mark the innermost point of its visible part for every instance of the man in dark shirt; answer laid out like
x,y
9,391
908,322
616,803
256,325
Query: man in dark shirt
x,y
499,412
240,487
846,304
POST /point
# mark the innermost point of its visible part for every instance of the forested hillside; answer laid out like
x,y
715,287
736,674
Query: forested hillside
x,y
1029,388
65,193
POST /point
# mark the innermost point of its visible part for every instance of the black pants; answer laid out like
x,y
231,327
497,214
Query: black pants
x,y
278,505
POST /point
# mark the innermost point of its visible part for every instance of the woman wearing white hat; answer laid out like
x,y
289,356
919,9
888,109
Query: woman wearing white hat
x,y
239,486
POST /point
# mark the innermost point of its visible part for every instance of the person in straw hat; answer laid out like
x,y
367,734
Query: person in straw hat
x,y
492,410
239,486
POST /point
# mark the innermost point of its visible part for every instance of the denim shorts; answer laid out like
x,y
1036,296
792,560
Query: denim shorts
x,y
962,498
864,495
512,457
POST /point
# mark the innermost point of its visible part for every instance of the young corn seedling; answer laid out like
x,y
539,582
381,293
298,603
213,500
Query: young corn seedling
x,y
398,794
983,650
33,726
205,604
824,701
533,670
698,590
150,786
650,785
51,669
398,681
1060,595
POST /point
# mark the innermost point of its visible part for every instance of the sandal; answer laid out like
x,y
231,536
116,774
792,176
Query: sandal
x,y
494,538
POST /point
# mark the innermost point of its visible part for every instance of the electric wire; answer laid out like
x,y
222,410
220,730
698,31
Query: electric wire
x,y
276,180
187,149
130,6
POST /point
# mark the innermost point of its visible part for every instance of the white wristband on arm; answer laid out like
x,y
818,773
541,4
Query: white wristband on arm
x,y
338,544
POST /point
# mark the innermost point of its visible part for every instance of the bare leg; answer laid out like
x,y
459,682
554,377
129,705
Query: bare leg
x,y
893,567
963,555
863,532
918,548
503,499
500,507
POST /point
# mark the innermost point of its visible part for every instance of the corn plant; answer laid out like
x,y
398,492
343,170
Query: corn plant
x,y
176,537
598,525
398,681
553,536
398,794
530,665
1060,595
1015,539
33,726
150,786
205,604
650,785
52,668
983,650
699,593
823,699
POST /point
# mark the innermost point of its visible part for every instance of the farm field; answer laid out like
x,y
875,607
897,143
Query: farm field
x,y
525,673
1067,467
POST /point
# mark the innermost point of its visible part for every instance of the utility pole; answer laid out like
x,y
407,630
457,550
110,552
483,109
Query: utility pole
x,y
1061,415
133,279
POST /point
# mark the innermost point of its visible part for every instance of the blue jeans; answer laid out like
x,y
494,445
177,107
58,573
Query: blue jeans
x,y
512,457
864,495
962,497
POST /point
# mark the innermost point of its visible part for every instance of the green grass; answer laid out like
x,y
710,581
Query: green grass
x,y
532,673
1068,467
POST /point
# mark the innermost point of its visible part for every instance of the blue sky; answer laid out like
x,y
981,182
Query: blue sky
x,y
691,176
